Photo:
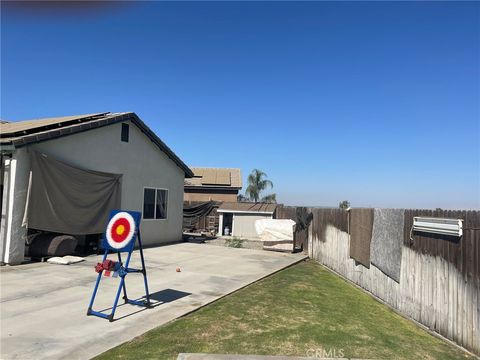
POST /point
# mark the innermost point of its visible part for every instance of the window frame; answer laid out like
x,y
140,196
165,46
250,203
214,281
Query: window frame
x,y
155,203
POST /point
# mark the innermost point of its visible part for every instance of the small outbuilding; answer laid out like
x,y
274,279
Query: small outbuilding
x,y
64,176
238,218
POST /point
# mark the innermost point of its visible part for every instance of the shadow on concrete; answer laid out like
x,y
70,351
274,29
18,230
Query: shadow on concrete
x,y
168,295
156,299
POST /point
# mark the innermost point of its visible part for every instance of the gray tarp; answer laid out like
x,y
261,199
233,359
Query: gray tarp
x,y
361,226
387,240
192,214
69,200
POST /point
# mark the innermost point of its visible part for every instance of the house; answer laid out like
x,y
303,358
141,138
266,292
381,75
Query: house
x,y
240,217
217,184
64,175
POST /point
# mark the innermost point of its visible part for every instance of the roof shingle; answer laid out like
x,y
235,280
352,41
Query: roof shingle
x,y
27,132
215,177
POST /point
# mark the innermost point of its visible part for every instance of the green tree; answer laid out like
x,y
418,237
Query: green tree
x,y
271,198
258,182
241,198
345,204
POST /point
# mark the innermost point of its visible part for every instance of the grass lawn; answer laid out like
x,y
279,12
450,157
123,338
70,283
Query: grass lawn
x,y
298,311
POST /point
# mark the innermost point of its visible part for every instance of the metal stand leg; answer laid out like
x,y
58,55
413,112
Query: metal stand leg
x,y
120,287
144,270
125,297
90,306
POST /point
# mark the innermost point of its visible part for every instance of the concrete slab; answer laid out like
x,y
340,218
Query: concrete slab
x,y
43,306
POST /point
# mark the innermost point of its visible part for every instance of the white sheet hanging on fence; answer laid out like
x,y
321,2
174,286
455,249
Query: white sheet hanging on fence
x,y
275,229
276,234
387,240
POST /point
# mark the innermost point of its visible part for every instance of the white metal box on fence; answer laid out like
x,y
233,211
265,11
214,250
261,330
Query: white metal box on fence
x,y
442,226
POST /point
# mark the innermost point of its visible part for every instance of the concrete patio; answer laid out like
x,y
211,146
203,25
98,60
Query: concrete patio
x,y
43,306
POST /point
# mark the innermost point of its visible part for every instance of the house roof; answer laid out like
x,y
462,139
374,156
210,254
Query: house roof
x,y
247,207
22,133
215,177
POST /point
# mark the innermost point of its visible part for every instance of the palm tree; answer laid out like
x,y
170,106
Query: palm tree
x,y
242,198
271,198
257,182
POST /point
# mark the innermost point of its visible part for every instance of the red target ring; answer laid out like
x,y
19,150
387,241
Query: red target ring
x,y
120,230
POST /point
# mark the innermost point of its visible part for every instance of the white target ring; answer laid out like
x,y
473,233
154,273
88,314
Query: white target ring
x,y
120,230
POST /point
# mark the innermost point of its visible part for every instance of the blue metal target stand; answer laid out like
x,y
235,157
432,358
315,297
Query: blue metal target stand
x,y
122,231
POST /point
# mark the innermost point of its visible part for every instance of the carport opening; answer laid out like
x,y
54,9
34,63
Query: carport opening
x,y
40,245
67,207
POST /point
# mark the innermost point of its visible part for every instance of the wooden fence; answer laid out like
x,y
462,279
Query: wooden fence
x,y
440,279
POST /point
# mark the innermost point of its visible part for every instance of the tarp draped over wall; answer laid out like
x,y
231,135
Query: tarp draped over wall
x,y
361,226
66,199
303,219
387,240
275,229
191,214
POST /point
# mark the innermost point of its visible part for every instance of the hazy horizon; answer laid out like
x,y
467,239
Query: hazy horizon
x,y
376,103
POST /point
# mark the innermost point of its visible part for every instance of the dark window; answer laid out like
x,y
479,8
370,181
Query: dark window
x,y
161,208
125,131
155,203
149,204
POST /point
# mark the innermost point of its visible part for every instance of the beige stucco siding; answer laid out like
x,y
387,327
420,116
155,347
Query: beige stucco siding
x,y
140,161
244,224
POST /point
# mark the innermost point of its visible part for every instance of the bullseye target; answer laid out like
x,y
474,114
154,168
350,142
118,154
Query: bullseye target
x,y
120,230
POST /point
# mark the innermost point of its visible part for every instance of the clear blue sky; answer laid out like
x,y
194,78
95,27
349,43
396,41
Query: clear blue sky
x,y
376,102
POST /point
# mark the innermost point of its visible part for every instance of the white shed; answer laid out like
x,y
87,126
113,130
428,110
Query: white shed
x,y
120,144
238,218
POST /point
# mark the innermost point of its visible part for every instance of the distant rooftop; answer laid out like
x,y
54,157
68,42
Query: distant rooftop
x,y
215,177
268,208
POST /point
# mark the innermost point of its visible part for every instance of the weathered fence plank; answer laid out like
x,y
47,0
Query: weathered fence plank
x,y
440,276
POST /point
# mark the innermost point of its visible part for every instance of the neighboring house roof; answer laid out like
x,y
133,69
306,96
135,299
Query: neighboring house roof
x,y
247,207
21,133
215,178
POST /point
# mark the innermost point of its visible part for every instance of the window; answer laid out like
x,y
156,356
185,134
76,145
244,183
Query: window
x,y
161,204
149,204
125,132
155,203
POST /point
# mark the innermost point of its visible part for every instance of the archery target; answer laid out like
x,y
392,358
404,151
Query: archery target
x,y
120,230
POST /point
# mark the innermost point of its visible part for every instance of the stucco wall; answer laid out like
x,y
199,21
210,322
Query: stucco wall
x,y
244,224
140,161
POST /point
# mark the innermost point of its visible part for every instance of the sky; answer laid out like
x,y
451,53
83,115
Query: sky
x,y
377,103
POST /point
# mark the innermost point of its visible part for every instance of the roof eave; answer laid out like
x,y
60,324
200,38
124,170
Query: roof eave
x,y
49,135
162,145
